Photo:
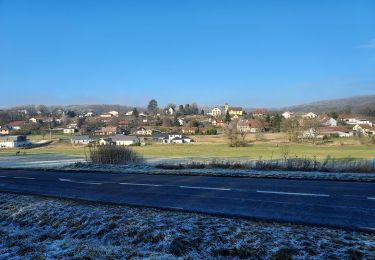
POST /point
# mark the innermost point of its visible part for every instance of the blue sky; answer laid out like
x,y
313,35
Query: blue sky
x,y
249,53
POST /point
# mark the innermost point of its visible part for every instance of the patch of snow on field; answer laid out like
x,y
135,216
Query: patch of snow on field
x,y
33,227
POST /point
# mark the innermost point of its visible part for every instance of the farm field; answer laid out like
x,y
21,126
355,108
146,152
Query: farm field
x,y
209,147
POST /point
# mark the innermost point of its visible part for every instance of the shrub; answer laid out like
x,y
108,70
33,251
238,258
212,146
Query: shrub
x,y
111,154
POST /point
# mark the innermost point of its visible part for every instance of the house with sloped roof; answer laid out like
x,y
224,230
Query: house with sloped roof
x,y
4,130
16,125
13,141
233,111
260,112
106,141
340,131
329,122
125,140
107,130
81,140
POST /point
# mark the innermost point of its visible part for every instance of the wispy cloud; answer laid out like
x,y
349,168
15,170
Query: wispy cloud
x,y
369,45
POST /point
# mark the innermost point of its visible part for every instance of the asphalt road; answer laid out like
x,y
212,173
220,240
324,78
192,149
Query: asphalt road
x,y
330,203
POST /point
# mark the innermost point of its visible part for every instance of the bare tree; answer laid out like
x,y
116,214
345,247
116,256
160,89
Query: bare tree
x,y
236,136
292,127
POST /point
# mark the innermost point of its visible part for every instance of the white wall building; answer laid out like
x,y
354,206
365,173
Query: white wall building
x,y
216,112
125,140
12,141
287,114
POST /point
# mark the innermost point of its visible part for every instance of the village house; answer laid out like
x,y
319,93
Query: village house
x,y
255,126
340,131
113,113
16,125
287,114
218,122
167,138
233,111
353,120
89,114
329,122
310,115
215,112
243,126
106,141
12,141
107,130
4,130
144,131
129,113
106,115
123,123
125,140
364,122
260,112
33,120
81,140
69,130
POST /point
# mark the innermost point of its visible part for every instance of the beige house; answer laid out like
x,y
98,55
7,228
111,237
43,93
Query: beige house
x,y
144,131
107,130
68,130
4,131
233,111
216,112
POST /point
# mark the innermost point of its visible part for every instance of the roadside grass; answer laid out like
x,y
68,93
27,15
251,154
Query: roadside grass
x,y
288,164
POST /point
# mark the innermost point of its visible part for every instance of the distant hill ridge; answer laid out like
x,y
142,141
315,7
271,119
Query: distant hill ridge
x,y
357,104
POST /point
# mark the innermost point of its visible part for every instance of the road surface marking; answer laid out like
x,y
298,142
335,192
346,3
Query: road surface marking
x,y
292,193
26,178
371,198
82,182
368,228
178,208
87,182
203,188
140,184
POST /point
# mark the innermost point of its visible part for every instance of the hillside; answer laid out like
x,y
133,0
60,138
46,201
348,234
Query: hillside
x,y
358,104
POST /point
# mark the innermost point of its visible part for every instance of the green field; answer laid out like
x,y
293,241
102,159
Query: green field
x,y
223,151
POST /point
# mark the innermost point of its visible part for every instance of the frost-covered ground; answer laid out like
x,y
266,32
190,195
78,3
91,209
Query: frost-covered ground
x,y
73,163
45,160
34,227
151,169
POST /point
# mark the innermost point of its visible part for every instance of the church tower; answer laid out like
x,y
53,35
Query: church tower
x,y
226,108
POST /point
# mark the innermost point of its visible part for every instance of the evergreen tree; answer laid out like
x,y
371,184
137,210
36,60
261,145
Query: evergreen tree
x,y
152,106
227,117
135,112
